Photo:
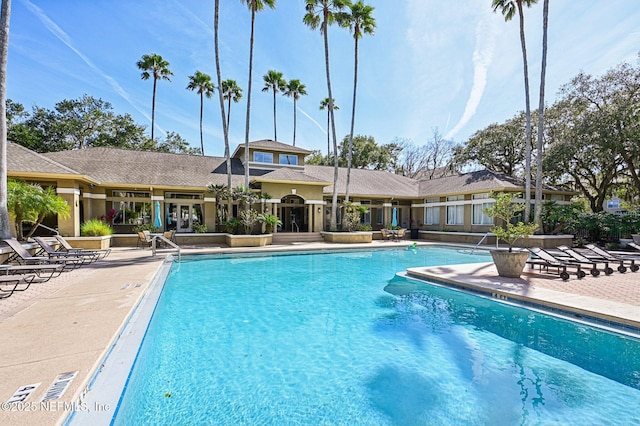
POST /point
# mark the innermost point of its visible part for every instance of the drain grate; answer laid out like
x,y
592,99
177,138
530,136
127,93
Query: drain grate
x,y
59,386
22,393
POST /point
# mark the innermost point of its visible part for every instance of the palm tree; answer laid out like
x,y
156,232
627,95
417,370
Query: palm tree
x,y
154,65
202,83
320,14
254,6
231,91
225,123
324,104
537,217
273,81
5,14
295,89
508,9
359,22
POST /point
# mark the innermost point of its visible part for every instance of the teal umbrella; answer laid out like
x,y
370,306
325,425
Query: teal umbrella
x,y
394,221
158,220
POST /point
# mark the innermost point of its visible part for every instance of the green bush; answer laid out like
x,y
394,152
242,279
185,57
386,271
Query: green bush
x,y
95,228
146,227
364,227
200,228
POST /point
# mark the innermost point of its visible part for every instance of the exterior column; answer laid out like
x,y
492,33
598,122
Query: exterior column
x,y
209,212
386,216
70,227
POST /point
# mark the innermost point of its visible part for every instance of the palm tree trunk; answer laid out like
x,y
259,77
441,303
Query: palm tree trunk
x,y
153,108
246,134
225,123
328,134
201,113
229,112
333,223
538,207
294,120
527,149
353,119
275,128
5,228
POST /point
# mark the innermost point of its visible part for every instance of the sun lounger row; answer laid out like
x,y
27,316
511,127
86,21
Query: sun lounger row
x,y
569,261
47,264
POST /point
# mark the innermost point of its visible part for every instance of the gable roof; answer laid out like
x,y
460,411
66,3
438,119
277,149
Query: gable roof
x,y
21,160
365,182
272,145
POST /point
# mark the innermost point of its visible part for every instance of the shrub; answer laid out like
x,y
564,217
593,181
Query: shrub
x,y
200,228
232,225
364,227
146,227
270,221
95,228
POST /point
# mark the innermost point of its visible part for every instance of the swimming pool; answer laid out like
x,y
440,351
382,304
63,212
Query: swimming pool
x,y
338,338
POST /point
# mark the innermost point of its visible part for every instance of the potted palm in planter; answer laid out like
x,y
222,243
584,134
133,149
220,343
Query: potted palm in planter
x,y
509,263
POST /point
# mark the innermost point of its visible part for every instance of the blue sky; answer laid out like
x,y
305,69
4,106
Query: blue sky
x,y
454,65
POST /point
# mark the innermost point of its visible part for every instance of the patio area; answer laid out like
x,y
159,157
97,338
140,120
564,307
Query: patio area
x,y
69,323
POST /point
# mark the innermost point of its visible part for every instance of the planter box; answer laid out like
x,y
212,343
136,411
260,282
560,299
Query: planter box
x,y
248,240
94,243
348,237
509,264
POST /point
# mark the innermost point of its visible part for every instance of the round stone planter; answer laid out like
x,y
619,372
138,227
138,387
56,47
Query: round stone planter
x,y
509,264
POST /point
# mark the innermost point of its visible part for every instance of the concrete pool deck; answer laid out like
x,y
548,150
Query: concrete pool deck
x,y
69,324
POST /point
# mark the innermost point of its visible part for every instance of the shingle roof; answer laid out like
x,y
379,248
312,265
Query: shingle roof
x,y
481,180
292,176
21,159
366,182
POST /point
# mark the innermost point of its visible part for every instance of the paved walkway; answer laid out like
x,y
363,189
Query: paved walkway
x,y
68,324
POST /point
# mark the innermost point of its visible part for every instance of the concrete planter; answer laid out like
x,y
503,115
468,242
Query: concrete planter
x,y
348,237
509,265
93,243
248,240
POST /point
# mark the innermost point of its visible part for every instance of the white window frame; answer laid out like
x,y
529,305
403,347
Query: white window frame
x,y
478,210
258,157
458,215
287,157
432,216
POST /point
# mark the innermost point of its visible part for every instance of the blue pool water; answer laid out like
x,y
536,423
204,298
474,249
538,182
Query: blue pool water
x,y
338,339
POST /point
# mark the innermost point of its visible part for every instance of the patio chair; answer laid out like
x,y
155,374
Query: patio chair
x,y
400,234
144,239
23,257
9,284
611,257
544,259
65,246
43,272
576,257
385,234
45,248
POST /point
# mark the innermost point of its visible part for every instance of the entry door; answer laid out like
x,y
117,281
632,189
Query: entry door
x,y
184,218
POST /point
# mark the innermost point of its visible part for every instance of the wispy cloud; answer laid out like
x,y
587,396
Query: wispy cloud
x,y
486,34
64,38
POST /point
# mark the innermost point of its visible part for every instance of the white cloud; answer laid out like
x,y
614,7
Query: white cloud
x,y
486,34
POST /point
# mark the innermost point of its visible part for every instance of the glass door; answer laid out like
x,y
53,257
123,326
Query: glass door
x,y
184,218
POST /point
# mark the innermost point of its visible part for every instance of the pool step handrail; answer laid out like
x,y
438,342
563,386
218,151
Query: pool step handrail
x,y
484,237
175,247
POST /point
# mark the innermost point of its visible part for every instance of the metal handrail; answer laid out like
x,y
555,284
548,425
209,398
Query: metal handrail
x,y
484,237
166,241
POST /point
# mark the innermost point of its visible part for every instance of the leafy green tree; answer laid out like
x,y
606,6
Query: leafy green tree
x,y
508,9
319,15
496,147
274,81
201,83
5,13
359,21
324,104
295,89
174,143
154,66
75,124
31,203
254,6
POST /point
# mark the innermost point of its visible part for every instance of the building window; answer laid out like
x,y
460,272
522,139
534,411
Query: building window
x,y
479,216
613,204
432,200
131,194
131,213
182,196
291,160
455,215
432,216
263,157
365,218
